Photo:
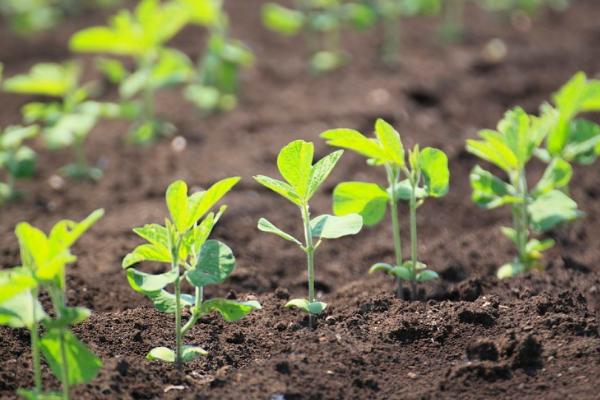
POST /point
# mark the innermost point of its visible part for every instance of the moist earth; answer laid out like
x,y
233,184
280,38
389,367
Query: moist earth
x,y
469,337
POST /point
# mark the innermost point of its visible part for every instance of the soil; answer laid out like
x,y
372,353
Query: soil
x,y
471,337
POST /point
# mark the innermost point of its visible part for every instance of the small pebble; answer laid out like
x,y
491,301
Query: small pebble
x,y
178,144
411,375
56,182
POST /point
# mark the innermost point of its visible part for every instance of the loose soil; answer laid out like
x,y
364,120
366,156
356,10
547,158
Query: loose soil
x,y
472,337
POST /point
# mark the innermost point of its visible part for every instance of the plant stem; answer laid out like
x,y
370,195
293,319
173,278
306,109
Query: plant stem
x,y
413,237
195,313
521,219
58,302
310,260
178,332
35,350
392,180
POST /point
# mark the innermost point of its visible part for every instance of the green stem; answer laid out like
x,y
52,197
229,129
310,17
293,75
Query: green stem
x,y
80,158
58,302
413,237
195,312
310,260
521,218
177,284
35,349
393,181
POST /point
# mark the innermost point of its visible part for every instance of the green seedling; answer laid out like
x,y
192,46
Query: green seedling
x,y
303,179
66,120
425,174
16,159
539,209
183,244
44,259
572,138
142,36
322,22
216,84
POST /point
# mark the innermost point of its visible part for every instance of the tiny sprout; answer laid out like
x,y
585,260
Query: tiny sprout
x,y
295,163
425,175
183,244
18,160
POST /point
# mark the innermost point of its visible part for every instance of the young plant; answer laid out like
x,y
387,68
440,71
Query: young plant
x,y
303,179
142,36
183,244
425,175
538,209
44,259
16,159
572,138
216,84
66,121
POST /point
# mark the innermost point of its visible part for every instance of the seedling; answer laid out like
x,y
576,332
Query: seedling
x,y
183,244
538,209
16,159
44,258
571,137
425,175
141,35
216,83
67,120
295,163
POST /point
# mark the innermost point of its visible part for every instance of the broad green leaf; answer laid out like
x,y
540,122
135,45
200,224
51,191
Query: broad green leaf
x,y
196,237
190,353
215,263
387,268
142,282
366,199
230,310
156,234
389,139
332,227
551,209
279,187
281,19
201,203
295,165
172,68
584,137
494,152
536,246
356,141
18,311
556,176
65,233
82,364
399,271
15,281
403,191
162,354
70,316
45,79
314,308
147,252
165,302
434,165
426,275
178,204
34,245
490,191
203,12
14,136
265,226
514,128
510,233
23,163
510,270
321,170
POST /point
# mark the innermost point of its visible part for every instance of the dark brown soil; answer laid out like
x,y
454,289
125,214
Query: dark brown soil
x,y
534,337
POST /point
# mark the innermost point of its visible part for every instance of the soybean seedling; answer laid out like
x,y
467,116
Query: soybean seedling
x,y
44,259
425,175
216,84
295,163
538,209
183,244
141,35
16,159
67,120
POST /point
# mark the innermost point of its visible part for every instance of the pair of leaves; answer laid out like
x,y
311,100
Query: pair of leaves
x,y
529,261
312,308
322,227
552,209
404,272
46,79
189,353
295,163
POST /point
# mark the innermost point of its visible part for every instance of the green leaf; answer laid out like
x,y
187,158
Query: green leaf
x,y
321,170
146,252
70,316
584,137
178,205
200,203
190,353
281,19
510,233
33,395
165,302
556,176
65,233
46,79
387,268
295,165
536,246
215,263
510,270
434,165
162,354
83,365
490,191
314,308
14,136
156,234
230,310
356,141
281,188
390,140
265,226
18,311
14,281
367,199
551,209
142,282
426,275
402,272
331,227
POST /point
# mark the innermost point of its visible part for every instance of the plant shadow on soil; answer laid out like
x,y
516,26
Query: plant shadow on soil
x,y
534,337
